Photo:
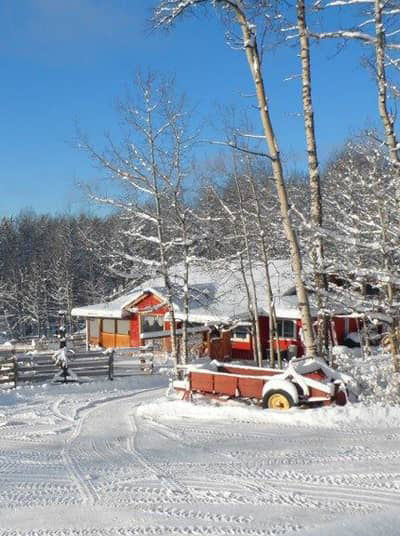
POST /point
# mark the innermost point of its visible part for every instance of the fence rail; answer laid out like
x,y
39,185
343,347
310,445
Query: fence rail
x,y
41,367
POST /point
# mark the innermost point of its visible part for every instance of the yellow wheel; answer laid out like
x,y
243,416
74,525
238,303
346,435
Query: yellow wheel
x,y
277,400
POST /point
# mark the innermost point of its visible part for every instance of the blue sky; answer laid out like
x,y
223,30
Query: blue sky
x,y
65,62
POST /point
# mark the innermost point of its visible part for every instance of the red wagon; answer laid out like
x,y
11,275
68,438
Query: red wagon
x,y
308,381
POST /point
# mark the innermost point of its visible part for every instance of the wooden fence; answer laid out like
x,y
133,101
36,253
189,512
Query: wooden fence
x,y
41,367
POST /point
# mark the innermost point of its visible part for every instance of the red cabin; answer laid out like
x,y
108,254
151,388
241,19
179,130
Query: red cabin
x,y
218,314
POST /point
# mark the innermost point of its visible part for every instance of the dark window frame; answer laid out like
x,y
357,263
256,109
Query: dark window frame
x,y
284,332
243,329
159,320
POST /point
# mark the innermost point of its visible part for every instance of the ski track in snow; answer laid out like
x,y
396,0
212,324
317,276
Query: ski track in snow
x,y
87,464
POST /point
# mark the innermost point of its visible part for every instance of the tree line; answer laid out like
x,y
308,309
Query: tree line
x,y
47,265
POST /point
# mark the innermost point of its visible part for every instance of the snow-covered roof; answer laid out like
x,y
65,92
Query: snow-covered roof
x,y
218,294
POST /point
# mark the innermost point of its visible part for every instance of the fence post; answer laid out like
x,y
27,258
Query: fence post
x,y
111,366
15,372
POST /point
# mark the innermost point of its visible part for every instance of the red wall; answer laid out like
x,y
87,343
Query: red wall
x,y
135,338
243,350
147,301
263,323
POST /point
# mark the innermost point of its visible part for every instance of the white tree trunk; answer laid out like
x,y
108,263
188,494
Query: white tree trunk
x,y
253,59
317,252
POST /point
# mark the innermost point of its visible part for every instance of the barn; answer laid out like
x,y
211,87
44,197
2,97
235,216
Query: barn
x,y
218,313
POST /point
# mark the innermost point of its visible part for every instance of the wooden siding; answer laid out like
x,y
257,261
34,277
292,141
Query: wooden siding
x,y
150,300
122,340
145,306
107,340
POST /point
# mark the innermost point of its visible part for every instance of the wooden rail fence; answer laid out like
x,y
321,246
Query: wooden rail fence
x,y
41,367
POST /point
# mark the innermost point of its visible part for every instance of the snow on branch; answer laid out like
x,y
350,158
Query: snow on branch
x,y
342,3
168,10
345,34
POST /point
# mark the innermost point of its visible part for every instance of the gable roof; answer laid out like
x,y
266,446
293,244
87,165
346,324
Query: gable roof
x,y
218,294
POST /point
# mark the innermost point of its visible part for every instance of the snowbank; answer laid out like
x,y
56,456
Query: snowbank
x,y
350,416
374,377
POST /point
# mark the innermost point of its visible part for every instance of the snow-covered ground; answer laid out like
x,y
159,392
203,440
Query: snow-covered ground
x,y
120,458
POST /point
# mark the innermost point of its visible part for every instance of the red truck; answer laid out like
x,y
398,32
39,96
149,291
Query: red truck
x,y
306,381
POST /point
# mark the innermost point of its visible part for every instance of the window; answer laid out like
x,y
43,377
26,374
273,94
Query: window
x,y
150,324
108,325
123,327
240,333
287,329
94,327
215,333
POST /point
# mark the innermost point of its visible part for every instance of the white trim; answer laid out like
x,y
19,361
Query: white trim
x,y
235,339
167,332
87,336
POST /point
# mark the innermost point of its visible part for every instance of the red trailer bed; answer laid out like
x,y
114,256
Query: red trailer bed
x,y
305,381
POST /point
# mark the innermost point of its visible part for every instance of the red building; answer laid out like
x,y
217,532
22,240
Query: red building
x,y
219,314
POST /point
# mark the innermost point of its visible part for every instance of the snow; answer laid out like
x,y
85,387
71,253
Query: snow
x,y
217,294
374,380
339,418
124,458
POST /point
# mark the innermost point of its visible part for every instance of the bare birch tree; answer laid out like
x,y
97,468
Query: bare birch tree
x,y
384,40
149,165
166,13
317,252
185,238
244,226
264,246
239,255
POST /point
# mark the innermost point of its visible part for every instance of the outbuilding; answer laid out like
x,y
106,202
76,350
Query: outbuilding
x,y
219,316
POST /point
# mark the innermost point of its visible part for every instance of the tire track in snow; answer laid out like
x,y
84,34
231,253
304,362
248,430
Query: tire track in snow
x,y
168,482
55,408
245,481
277,529
361,495
88,493
267,494
84,484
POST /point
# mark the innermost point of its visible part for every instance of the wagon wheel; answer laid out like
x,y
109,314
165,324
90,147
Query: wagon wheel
x,y
278,400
